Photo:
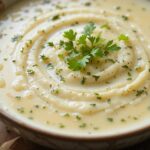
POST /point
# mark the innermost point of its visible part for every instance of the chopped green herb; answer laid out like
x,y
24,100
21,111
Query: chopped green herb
x,y
118,8
110,119
89,28
62,126
16,38
70,35
109,101
56,17
129,74
123,37
35,65
50,66
30,72
66,115
88,73
83,80
44,107
58,71
88,4
140,92
78,117
125,18
96,77
110,46
123,120
135,31
13,61
62,78
50,44
129,78
44,58
78,65
18,97
98,96
61,56
5,59
31,111
55,91
135,118
21,110
37,106
110,60
93,105
125,66
68,45
83,125
105,26
82,39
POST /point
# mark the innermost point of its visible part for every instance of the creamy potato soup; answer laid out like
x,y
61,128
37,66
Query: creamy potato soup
x,y
77,67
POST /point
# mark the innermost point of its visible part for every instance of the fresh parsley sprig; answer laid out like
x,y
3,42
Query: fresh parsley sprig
x,y
83,49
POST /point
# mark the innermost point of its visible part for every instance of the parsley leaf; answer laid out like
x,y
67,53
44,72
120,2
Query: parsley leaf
x,y
83,62
70,35
50,44
97,52
80,64
79,51
73,64
68,45
82,39
110,46
89,28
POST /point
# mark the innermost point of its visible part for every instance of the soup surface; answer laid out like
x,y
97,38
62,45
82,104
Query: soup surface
x,y
77,67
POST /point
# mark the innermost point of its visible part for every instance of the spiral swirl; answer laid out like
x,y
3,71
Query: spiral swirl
x,y
118,80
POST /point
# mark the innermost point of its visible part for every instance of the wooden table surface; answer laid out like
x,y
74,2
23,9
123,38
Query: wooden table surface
x,y
7,138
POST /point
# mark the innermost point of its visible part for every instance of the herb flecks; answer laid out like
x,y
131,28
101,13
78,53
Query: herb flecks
x,y
141,92
123,37
61,125
16,38
44,58
30,72
83,125
51,44
105,26
56,17
18,97
83,80
110,119
125,18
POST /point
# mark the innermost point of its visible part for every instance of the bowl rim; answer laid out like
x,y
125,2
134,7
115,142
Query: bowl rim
x,y
23,125
4,115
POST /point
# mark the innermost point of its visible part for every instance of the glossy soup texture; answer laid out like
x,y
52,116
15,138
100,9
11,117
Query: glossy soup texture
x,y
45,83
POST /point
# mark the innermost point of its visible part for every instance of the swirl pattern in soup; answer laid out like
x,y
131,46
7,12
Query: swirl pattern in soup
x,y
42,83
